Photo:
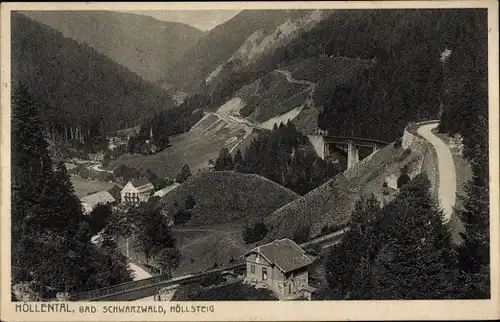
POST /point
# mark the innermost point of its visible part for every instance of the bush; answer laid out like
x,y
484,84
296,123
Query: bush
x,y
255,233
301,235
212,279
182,217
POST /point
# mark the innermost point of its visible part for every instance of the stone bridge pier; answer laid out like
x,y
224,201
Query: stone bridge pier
x,y
322,144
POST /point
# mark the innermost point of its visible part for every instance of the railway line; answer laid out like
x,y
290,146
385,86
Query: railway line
x,y
136,290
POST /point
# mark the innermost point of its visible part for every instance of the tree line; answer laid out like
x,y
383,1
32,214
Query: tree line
x,y
283,156
402,251
465,112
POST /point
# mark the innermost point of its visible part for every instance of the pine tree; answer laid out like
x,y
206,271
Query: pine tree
x,y
345,259
31,164
224,161
167,259
184,174
238,161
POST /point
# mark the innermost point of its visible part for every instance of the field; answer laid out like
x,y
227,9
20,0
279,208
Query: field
x,y
84,187
194,148
201,247
227,196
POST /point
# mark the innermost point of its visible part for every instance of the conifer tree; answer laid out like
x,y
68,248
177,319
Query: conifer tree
x,y
238,161
184,174
224,161
345,258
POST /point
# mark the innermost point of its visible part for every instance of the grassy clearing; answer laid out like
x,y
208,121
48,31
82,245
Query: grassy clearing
x,y
194,148
200,247
226,196
84,187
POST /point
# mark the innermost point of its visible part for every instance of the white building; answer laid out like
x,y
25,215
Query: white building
x,y
136,191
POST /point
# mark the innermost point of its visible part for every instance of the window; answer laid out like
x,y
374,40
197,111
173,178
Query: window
x,y
252,269
264,273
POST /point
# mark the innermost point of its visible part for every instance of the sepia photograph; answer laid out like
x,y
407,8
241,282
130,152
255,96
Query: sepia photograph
x,y
287,154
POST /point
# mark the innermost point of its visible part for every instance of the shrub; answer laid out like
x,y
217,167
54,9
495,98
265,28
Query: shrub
x,y
397,143
211,279
255,233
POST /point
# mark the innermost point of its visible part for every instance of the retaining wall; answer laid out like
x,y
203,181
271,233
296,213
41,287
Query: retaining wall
x,y
424,149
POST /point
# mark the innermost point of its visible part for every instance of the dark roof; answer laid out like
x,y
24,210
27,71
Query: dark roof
x,y
115,192
140,182
284,253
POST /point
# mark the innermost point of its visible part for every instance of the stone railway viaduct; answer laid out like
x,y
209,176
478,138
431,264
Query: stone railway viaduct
x,y
324,144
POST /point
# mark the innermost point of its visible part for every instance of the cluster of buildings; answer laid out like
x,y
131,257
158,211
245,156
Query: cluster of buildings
x,y
133,193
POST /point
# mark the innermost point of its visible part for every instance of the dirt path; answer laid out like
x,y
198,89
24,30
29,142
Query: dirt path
x,y
140,273
290,79
447,175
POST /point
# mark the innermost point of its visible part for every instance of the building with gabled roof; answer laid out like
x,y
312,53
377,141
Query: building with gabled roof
x,y
89,202
136,191
281,266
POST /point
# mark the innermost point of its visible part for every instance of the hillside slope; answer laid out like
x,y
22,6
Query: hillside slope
x,y
141,43
194,148
332,203
218,45
79,90
226,196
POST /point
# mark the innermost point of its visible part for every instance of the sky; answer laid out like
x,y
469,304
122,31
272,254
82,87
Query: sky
x,y
201,19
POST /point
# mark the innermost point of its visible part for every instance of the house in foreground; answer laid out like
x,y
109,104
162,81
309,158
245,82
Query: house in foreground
x,y
281,266
89,202
137,191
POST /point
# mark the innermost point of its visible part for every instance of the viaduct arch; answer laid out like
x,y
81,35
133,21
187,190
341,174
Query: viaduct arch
x,y
323,145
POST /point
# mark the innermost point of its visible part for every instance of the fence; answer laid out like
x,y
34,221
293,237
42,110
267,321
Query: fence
x,y
148,287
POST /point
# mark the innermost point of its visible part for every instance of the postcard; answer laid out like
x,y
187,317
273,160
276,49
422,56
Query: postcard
x,y
263,161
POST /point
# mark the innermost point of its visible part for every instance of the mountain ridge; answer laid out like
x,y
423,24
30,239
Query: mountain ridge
x,y
81,92
139,42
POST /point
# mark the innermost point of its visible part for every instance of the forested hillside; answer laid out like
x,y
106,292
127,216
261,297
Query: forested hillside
x,y
465,111
143,44
403,49
80,92
283,156
216,46
50,243
404,83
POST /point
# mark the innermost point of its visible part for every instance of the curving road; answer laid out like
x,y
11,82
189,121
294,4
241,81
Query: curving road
x,y
447,175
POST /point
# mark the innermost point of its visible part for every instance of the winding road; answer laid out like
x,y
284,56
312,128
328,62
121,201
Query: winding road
x,y
447,175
